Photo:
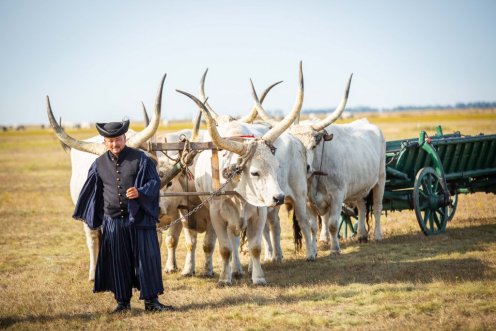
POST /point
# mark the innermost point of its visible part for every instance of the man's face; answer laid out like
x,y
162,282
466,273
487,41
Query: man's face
x,y
116,144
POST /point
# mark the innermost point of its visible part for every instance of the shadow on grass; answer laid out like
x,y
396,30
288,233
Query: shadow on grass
x,y
411,258
8,321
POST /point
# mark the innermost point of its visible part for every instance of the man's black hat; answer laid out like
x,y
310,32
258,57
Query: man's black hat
x,y
112,129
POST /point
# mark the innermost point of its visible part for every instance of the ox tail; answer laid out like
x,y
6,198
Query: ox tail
x,y
297,233
243,240
369,202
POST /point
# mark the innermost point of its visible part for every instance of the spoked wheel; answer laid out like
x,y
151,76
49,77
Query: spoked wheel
x,y
430,201
452,206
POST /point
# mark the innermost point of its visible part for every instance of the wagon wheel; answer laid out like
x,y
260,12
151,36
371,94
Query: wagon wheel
x,y
429,201
452,206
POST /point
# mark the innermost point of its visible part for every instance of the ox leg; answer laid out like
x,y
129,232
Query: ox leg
x,y
331,219
275,231
208,250
159,237
93,244
268,249
254,233
324,233
236,268
171,241
362,230
300,210
190,237
225,244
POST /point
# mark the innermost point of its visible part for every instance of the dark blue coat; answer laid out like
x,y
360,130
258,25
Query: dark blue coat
x,y
143,212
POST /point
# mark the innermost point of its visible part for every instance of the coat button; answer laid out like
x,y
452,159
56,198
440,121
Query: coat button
x,y
118,164
118,179
118,171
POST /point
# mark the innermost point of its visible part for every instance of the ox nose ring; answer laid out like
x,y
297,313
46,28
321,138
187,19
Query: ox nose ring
x,y
279,199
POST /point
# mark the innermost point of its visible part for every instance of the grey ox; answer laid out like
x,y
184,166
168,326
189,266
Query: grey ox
x,y
345,169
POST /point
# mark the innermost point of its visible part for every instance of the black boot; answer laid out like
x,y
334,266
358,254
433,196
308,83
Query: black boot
x,y
122,307
155,305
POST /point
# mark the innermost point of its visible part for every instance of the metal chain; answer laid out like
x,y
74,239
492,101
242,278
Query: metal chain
x,y
194,210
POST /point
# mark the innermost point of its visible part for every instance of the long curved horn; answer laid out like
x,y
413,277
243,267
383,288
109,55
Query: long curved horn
x,y
336,113
153,139
142,136
281,126
259,109
145,114
85,146
222,143
253,113
196,126
203,99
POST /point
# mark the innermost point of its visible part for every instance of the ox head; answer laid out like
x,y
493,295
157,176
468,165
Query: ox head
x,y
137,140
253,161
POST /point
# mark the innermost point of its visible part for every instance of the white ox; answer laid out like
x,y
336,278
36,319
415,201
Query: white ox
x,y
174,207
348,167
84,153
253,168
292,177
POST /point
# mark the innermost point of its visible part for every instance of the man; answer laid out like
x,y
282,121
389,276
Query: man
x,y
122,193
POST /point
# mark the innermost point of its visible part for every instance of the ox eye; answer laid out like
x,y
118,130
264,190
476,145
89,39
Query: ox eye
x,y
169,184
255,173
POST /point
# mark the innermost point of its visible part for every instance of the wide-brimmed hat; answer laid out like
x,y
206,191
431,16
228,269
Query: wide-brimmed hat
x,y
112,129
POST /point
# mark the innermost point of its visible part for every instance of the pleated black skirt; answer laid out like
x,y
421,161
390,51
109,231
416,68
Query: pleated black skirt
x,y
128,258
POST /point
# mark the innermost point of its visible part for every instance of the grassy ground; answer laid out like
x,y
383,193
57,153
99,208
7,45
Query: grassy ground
x,y
407,281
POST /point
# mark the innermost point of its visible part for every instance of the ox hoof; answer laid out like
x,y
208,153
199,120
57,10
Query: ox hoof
x,y
237,274
363,240
259,282
223,283
207,274
335,252
311,259
188,274
170,270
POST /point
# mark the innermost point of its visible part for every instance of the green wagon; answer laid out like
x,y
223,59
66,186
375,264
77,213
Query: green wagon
x,y
426,174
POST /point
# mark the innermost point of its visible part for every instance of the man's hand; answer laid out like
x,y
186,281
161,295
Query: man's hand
x,y
132,193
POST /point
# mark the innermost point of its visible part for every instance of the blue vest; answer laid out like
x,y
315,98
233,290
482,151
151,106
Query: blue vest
x,y
117,175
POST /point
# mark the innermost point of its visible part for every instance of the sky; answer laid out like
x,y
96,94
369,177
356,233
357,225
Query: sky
x,y
98,60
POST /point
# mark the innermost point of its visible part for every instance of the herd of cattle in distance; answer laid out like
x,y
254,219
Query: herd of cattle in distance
x,y
323,175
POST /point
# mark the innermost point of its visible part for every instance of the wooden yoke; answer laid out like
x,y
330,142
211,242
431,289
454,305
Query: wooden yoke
x,y
195,147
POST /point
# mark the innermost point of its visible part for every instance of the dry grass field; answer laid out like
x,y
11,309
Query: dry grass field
x,y
406,282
